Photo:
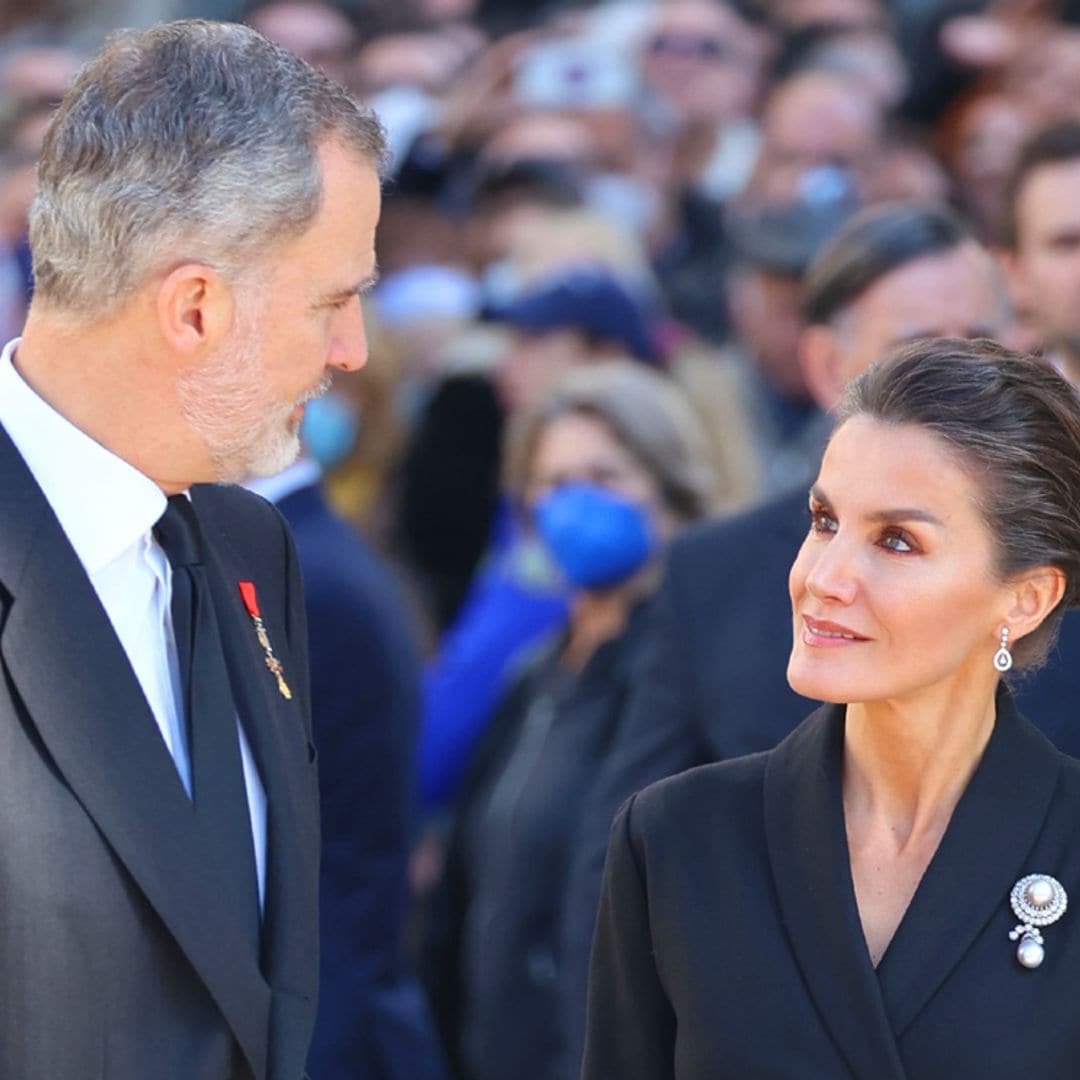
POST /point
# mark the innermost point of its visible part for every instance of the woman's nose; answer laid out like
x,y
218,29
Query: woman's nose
x,y
832,574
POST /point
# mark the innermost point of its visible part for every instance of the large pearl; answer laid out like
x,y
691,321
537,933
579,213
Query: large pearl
x,y
1040,893
1030,953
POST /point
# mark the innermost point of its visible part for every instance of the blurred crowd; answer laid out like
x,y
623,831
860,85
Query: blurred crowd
x,y
612,251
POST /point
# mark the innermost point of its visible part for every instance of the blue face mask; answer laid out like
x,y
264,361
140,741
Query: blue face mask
x,y
597,537
329,429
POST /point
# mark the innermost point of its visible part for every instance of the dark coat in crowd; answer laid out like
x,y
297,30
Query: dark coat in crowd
x,y
713,681
729,943
373,1022
496,964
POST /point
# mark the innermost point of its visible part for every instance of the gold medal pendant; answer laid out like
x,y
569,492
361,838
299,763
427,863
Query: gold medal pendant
x,y
251,603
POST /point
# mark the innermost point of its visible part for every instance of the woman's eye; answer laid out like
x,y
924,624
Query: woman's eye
x,y
897,541
821,521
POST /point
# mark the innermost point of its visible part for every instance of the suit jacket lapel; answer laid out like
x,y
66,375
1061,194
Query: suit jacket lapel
x,y
982,854
81,695
275,732
807,850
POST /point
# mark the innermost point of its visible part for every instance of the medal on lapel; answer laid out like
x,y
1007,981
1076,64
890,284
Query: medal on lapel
x,y
1037,901
251,602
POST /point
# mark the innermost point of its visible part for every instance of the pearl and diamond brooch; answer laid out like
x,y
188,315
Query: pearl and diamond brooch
x,y
1037,900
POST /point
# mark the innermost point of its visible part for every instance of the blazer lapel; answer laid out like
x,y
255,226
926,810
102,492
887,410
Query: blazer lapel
x,y
807,848
83,698
982,854
276,734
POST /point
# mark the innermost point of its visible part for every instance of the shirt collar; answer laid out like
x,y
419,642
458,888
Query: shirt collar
x,y
103,504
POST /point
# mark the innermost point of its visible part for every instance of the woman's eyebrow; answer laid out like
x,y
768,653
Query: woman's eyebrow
x,y
887,517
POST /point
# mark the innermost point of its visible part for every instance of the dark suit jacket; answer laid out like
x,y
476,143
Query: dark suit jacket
x,y
373,1021
713,681
118,956
729,943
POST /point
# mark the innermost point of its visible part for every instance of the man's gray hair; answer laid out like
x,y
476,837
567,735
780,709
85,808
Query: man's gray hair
x,y
190,141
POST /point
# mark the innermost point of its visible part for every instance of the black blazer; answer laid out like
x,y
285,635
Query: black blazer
x,y
373,1022
713,679
118,956
729,944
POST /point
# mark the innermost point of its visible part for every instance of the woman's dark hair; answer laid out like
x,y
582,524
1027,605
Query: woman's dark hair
x,y
1013,423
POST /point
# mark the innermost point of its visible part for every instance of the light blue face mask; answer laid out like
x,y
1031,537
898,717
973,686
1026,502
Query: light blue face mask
x,y
329,429
597,536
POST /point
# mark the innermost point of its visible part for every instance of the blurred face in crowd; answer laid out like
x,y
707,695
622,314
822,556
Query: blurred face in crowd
x,y
811,121
795,14
1045,75
318,32
906,171
39,72
577,448
425,61
869,57
704,60
1045,267
540,136
893,592
246,401
535,361
987,133
765,310
956,293
18,179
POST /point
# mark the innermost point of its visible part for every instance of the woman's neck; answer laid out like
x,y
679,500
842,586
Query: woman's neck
x,y
906,763
596,617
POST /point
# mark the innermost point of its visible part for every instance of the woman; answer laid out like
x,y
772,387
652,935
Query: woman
x,y
844,904
608,468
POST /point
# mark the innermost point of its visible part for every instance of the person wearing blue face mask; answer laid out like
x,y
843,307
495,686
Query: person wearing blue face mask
x,y
606,470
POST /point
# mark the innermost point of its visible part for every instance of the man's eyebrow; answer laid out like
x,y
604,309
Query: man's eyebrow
x,y
885,517
358,289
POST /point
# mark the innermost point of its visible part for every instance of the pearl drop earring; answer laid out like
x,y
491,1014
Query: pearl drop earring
x,y
1003,659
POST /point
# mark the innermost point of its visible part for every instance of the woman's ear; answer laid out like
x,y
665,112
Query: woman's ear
x,y
1035,594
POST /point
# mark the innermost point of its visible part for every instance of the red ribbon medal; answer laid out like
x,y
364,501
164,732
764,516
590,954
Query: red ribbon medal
x,y
251,602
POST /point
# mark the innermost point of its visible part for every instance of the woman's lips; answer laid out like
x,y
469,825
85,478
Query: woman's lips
x,y
823,634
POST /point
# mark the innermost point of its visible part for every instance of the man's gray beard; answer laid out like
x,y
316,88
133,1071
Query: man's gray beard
x,y
225,402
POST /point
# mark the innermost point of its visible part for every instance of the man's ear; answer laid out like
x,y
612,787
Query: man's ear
x,y
195,309
821,363
1035,594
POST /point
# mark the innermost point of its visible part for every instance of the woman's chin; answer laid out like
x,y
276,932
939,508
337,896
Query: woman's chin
x,y
812,682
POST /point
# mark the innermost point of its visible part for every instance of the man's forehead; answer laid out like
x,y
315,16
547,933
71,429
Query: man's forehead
x,y
1050,198
952,294
925,283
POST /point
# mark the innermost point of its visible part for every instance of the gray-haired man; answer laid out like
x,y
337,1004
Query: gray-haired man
x,y
205,223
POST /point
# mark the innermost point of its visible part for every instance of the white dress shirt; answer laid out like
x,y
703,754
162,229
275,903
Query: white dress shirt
x,y
107,509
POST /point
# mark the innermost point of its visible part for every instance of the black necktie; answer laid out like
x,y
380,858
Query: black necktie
x,y
217,772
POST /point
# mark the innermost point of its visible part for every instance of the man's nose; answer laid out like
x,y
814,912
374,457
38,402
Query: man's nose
x,y
348,341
